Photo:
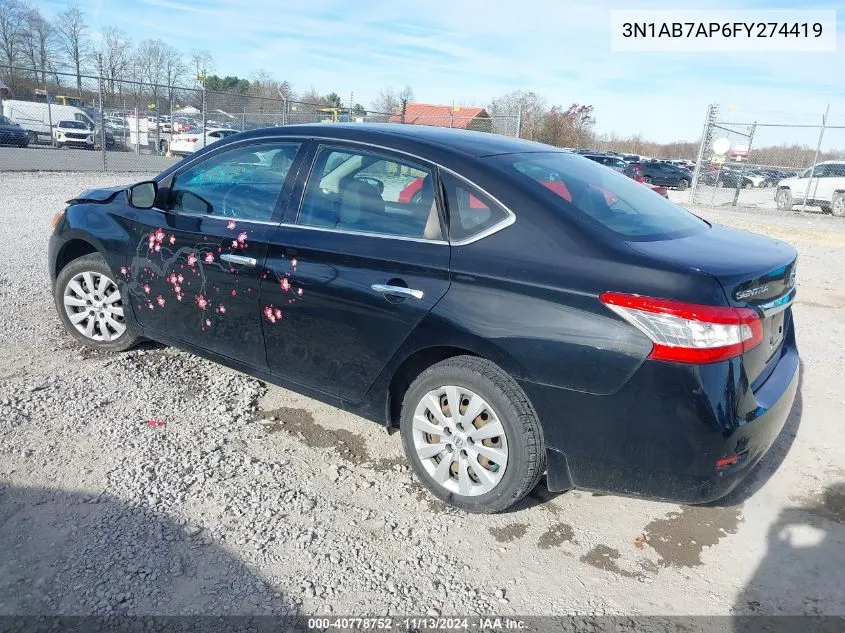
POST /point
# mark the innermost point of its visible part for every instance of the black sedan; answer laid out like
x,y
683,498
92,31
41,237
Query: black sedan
x,y
12,134
512,309
666,174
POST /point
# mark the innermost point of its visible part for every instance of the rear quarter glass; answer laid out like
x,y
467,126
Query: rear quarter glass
x,y
601,197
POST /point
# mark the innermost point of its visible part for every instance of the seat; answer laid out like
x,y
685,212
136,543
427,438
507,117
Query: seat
x,y
361,207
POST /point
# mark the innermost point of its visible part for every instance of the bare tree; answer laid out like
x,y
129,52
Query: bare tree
x,y
387,101
72,36
151,63
529,105
115,55
40,45
12,34
202,61
406,95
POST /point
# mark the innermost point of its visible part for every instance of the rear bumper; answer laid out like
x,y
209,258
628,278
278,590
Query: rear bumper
x,y
660,436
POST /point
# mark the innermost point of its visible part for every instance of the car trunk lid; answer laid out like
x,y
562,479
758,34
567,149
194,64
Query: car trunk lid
x,y
754,271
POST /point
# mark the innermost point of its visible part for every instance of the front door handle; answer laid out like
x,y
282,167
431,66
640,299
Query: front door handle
x,y
397,291
239,259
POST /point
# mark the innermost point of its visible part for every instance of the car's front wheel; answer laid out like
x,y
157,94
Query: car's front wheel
x,y
837,205
471,436
90,305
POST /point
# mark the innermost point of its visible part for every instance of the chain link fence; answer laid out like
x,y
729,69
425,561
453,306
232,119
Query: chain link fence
x,y
769,165
89,123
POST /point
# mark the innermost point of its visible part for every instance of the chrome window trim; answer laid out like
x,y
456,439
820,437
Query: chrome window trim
x,y
326,229
502,224
225,218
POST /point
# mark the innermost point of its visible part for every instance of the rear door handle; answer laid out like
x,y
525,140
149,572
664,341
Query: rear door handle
x,y
397,291
239,259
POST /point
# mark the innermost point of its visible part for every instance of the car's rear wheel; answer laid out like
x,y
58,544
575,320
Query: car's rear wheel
x,y
90,305
33,137
647,179
837,205
784,200
683,185
471,436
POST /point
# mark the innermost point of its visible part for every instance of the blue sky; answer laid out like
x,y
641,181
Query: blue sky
x,y
468,51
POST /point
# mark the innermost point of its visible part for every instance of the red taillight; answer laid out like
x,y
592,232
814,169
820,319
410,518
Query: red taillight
x,y
639,179
688,332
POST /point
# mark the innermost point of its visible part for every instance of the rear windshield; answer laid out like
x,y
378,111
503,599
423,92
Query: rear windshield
x,y
588,191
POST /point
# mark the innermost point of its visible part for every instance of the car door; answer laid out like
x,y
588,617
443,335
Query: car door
x,y
799,185
195,275
352,272
821,188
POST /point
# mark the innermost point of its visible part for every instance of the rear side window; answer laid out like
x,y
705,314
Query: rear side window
x,y
586,191
470,211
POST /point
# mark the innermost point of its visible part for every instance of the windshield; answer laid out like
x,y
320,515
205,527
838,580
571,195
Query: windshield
x,y
5,121
76,125
588,191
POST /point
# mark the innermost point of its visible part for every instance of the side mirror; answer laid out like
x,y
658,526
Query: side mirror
x,y
143,195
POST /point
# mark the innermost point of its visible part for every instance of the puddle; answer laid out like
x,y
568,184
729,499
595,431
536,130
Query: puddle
x,y
680,537
509,533
555,536
299,421
604,558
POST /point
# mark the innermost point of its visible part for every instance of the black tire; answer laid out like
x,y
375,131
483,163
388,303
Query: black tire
x,y
33,137
97,264
59,145
647,179
784,200
683,185
526,446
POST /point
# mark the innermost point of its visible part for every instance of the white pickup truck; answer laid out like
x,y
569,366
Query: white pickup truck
x,y
822,186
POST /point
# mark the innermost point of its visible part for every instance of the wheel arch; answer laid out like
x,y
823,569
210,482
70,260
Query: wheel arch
x,y
72,249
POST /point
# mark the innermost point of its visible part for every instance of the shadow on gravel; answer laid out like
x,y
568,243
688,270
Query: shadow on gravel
x,y
64,553
772,460
803,572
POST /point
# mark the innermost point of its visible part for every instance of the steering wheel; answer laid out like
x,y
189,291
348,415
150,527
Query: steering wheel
x,y
240,202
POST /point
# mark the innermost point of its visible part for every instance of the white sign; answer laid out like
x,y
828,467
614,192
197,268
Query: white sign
x,y
740,150
721,145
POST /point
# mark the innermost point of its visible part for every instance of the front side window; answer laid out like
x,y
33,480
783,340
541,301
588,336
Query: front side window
x,y
367,192
242,183
605,197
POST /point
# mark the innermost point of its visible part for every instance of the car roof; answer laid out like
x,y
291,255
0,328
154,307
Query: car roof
x,y
451,140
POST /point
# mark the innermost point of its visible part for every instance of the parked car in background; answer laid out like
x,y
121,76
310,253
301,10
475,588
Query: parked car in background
x,y
661,173
12,134
614,162
659,358
165,123
193,140
728,177
822,186
74,134
39,119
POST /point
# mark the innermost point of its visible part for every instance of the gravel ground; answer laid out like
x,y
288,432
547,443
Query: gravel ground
x,y
246,498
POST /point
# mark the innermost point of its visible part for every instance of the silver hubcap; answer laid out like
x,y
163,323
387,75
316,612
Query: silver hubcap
x,y
93,305
460,441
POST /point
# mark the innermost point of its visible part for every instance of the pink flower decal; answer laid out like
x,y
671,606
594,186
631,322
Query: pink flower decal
x,y
242,237
299,292
160,301
192,259
159,235
147,288
293,263
234,243
221,309
150,306
268,314
230,225
202,302
172,279
123,270
234,292
209,257
278,313
172,239
285,284
208,321
157,248
180,279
